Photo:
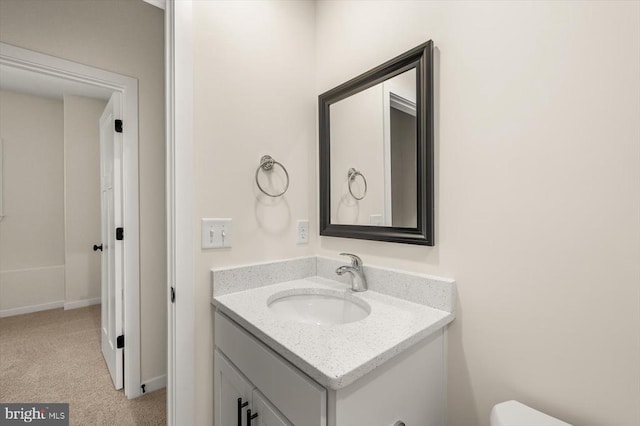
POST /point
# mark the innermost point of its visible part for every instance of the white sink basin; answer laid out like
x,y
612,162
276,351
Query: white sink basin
x,y
318,306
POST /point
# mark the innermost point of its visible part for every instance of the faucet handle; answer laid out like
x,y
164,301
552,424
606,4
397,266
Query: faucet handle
x,y
356,262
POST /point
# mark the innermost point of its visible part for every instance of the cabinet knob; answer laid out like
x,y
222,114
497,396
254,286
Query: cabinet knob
x,y
250,416
241,405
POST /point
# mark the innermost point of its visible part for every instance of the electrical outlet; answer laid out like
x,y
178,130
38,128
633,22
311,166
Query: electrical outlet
x,y
303,231
217,233
376,220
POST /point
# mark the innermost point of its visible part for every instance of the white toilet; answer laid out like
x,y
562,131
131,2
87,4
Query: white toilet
x,y
514,413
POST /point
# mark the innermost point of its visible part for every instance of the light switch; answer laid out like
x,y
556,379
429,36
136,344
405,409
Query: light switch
x,y
217,233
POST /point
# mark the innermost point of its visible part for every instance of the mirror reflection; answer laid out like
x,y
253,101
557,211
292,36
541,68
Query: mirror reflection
x,y
373,155
376,152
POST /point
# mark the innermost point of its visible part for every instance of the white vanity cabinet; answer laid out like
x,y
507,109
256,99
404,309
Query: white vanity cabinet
x,y
237,399
408,388
232,393
277,391
268,414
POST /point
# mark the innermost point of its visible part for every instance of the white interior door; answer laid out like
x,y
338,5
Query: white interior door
x,y
111,218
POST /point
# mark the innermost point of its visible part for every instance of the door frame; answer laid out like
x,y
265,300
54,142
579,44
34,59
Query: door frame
x,y
128,87
180,213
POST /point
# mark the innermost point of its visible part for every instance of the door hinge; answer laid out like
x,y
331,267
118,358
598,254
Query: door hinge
x,y
119,233
120,342
173,295
118,126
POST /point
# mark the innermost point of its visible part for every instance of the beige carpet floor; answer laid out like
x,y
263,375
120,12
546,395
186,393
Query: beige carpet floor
x,y
54,356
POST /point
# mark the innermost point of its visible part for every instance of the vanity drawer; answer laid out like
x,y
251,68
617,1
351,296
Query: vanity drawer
x,y
300,399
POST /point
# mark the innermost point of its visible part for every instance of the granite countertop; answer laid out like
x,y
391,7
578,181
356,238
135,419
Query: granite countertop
x,y
334,355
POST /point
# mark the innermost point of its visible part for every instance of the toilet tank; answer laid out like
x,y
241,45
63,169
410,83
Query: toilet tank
x,y
514,413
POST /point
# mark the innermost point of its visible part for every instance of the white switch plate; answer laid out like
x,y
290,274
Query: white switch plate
x,y
303,231
376,220
217,233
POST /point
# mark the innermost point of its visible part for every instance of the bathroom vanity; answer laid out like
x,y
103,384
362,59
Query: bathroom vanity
x,y
294,346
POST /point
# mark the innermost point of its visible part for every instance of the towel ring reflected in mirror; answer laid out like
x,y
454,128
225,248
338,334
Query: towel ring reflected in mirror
x,y
351,176
266,164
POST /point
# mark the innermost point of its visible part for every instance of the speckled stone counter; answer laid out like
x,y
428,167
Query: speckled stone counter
x,y
335,355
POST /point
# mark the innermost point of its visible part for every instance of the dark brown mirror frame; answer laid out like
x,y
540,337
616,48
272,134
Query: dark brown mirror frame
x,y
420,58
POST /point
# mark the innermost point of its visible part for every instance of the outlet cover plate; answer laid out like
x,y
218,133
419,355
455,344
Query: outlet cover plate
x,y
303,231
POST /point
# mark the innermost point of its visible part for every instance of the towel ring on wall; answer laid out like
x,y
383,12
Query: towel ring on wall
x,y
266,164
351,176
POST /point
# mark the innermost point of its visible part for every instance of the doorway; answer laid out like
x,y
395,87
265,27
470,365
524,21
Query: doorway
x,y
71,77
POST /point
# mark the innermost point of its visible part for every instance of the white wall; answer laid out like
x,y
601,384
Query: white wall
x,y
254,95
82,197
537,193
125,37
32,231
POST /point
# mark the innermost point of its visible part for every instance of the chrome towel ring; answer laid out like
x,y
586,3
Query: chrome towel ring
x,y
266,164
351,176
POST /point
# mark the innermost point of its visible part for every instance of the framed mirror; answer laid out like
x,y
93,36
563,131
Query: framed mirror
x,y
376,153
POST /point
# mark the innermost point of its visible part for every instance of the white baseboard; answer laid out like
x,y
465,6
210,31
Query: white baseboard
x,y
23,291
82,303
155,384
29,309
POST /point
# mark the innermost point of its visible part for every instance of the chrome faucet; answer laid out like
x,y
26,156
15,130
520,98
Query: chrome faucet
x,y
358,280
